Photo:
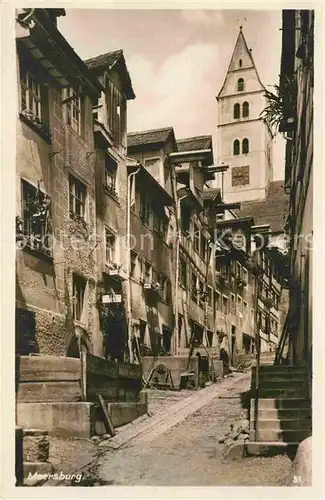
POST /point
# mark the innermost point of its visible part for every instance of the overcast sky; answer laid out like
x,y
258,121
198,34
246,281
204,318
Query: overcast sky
x,y
177,60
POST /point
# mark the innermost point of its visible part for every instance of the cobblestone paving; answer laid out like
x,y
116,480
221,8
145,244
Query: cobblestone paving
x,y
189,453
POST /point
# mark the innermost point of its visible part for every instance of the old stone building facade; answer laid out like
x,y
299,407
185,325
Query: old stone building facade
x,y
56,213
117,232
110,247
152,231
297,75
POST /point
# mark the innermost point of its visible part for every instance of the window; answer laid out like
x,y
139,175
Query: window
x,y
245,110
210,295
182,272
239,304
30,95
110,175
116,113
201,293
133,264
240,63
245,275
224,304
236,111
236,147
150,163
73,102
232,302
79,287
245,304
203,247
245,146
196,237
147,272
77,198
217,301
240,84
167,336
142,331
210,338
145,208
185,219
35,223
238,270
194,287
110,246
159,223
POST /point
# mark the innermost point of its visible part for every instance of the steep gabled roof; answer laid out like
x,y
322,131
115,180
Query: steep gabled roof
x,y
269,211
194,143
241,41
106,62
150,137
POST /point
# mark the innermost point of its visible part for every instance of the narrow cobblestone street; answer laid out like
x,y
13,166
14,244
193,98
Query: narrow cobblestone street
x,y
189,454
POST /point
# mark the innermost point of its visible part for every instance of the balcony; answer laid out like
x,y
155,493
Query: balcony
x,y
116,271
152,287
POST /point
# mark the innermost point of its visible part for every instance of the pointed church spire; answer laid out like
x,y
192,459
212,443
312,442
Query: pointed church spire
x,y
241,59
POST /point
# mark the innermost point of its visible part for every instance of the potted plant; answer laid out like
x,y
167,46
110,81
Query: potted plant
x,y
280,113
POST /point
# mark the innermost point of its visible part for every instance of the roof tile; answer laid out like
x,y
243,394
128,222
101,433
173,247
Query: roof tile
x,y
269,211
154,136
194,143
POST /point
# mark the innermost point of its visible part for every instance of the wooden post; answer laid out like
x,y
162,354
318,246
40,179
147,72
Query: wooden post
x,y
107,419
83,374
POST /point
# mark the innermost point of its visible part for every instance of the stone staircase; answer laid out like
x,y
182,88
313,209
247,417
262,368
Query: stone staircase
x,y
283,413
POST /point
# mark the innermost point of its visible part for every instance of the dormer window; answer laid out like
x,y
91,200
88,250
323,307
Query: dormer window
x,y
245,109
240,84
240,63
236,147
236,111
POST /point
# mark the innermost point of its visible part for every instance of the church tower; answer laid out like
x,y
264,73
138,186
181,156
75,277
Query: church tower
x,y
244,139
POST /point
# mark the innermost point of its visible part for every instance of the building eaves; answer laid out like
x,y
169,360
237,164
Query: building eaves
x,y
136,140
194,143
108,61
58,43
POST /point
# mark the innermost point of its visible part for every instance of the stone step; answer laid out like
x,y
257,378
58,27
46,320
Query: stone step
x,y
288,436
281,403
282,425
280,377
284,384
269,414
281,369
268,448
293,393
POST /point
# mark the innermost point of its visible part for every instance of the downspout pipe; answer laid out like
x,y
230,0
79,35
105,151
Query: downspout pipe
x,y
128,260
178,238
